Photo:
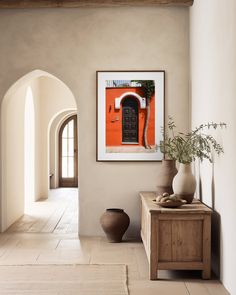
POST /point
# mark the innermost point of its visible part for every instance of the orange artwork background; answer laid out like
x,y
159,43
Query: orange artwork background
x,y
114,117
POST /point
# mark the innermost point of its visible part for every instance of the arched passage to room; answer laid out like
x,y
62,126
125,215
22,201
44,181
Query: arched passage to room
x,y
49,97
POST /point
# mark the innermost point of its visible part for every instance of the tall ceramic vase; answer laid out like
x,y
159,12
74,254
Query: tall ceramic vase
x,y
184,183
165,177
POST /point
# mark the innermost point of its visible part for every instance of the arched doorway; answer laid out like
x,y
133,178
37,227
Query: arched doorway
x,y
129,120
68,153
27,171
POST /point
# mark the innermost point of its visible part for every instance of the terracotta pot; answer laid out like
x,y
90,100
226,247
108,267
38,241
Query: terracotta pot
x,y
114,222
165,177
184,183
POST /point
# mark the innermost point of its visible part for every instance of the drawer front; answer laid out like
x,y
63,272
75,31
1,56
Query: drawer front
x,y
180,240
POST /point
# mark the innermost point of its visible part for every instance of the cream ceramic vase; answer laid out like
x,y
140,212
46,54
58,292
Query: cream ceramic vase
x,y
184,183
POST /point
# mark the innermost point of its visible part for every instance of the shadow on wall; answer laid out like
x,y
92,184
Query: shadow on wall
x,y
215,224
215,230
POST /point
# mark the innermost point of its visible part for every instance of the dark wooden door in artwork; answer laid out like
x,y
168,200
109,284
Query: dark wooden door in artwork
x,y
130,121
68,154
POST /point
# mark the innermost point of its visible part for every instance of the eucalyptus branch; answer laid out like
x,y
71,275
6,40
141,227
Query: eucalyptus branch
x,y
186,147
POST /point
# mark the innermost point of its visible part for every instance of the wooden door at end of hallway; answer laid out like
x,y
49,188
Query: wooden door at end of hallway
x,y
68,153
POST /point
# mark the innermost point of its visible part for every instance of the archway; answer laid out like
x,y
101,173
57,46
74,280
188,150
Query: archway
x,y
50,96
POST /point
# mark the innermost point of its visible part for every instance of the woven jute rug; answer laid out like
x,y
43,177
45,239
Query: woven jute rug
x,y
79,279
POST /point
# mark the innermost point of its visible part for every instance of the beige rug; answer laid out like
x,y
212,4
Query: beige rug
x,y
89,279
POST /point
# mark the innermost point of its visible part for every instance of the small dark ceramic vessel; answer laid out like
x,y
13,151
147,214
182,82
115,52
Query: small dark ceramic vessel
x,y
114,222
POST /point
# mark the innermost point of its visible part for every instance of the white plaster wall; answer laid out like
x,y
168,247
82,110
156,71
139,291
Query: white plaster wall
x,y
72,44
55,98
213,75
12,126
37,111
13,155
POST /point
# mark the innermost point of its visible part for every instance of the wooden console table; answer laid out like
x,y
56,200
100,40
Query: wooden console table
x,y
177,238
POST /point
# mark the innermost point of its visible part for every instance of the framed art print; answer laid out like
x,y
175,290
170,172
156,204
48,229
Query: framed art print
x,y
130,115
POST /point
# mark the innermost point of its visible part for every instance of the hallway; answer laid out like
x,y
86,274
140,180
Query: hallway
x,y
58,214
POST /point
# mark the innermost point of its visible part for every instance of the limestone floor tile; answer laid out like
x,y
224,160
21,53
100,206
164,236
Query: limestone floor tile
x,y
7,245
112,255
157,287
63,257
42,236
116,254
131,244
214,287
38,244
3,239
90,244
69,244
133,272
211,287
196,288
79,243
142,262
19,256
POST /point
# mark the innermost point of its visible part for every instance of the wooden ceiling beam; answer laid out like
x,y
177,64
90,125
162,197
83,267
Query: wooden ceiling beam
x,y
89,3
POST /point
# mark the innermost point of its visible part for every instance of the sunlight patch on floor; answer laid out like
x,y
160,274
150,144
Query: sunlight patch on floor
x,y
57,214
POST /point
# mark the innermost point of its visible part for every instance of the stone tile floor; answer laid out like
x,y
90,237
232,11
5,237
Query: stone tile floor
x,y
39,248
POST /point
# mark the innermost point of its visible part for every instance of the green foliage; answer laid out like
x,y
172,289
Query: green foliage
x,y
148,87
186,147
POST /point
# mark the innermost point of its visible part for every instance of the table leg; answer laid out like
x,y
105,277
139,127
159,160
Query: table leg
x,y
154,248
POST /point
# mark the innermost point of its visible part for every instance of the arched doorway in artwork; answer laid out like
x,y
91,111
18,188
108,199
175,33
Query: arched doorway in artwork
x,y
130,120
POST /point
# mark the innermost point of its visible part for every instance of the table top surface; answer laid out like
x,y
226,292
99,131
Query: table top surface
x,y
196,206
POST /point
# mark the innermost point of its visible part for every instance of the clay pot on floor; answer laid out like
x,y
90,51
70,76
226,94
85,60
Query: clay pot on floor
x,y
184,183
114,222
165,177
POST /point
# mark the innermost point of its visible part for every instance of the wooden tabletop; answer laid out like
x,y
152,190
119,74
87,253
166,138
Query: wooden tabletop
x,y
195,207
